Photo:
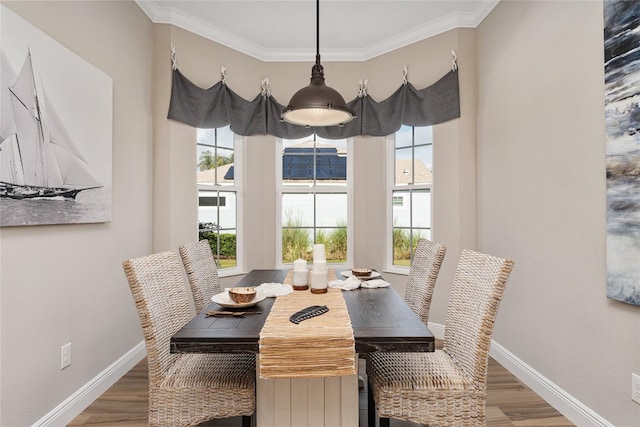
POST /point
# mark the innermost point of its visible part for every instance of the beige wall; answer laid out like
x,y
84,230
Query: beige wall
x,y
64,283
200,60
530,142
541,194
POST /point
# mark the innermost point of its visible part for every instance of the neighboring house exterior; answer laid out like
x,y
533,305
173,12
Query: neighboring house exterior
x,y
401,205
209,201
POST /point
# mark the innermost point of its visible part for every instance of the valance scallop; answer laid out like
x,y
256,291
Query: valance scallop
x,y
220,106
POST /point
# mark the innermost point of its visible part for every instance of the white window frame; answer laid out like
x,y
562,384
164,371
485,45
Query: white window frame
x,y
303,189
237,187
391,187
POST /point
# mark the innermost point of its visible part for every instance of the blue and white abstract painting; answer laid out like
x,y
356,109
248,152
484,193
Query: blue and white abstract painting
x,y
622,112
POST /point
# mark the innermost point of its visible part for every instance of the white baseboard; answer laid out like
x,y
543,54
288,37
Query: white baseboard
x,y
562,401
65,412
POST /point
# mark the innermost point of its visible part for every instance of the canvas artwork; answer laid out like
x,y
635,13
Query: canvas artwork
x,y
622,113
55,131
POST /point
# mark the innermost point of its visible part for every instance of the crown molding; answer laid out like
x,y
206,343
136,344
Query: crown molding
x,y
173,16
423,32
168,15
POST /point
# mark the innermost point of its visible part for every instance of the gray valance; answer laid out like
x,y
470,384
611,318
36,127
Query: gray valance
x,y
219,106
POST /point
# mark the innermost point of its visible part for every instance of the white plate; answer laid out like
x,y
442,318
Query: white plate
x,y
225,300
373,275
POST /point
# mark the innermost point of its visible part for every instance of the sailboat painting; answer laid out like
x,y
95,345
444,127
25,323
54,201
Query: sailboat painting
x,y
55,131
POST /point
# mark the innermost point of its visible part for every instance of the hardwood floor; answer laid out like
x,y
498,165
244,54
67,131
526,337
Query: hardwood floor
x,y
509,403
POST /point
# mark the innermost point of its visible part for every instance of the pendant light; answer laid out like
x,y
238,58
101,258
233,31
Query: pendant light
x,y
317,104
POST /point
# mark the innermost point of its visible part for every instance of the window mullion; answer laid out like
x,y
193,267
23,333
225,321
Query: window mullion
x,y
315,216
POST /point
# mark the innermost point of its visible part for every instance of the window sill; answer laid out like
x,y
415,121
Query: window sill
x,y
231,273
397,270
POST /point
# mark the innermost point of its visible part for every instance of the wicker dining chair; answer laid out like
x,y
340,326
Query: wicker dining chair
x,y
423,272
202,272
448,387
184,389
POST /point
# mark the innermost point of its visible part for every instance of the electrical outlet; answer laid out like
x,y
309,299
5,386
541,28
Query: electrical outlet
x,y
65,356
635,387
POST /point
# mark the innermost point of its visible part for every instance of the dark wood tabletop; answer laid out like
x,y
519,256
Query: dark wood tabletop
x,y
381,321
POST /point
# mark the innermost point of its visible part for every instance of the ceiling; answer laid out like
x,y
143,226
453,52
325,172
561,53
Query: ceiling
x,y
350,30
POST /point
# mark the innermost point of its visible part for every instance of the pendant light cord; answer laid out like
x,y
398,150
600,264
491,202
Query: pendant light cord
x,y
317,104
318,29
317,70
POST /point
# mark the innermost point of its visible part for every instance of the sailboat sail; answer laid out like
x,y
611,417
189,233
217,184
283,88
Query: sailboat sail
x,y
73,170
40,159
9,153
10,162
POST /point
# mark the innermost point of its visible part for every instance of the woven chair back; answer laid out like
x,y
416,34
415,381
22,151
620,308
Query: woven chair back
x,y
477,289
162,301
201,271
423,273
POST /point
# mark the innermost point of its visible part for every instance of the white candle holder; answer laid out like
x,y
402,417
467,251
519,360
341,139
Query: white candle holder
x,y
320,265
319,282
300,280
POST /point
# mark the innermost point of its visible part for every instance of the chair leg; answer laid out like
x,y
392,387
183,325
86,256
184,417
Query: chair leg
x,y
247,421
371,407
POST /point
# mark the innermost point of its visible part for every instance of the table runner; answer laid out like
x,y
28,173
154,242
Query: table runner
x,y
322,346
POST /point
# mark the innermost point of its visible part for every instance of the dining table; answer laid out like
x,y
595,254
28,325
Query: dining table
x,y
380,319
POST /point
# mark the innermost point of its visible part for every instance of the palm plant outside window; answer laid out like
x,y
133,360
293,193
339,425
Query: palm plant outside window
x,y
410,191
314,198
218,193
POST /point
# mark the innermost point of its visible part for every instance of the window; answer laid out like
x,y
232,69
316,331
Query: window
x,y
218,194
410,186
314,199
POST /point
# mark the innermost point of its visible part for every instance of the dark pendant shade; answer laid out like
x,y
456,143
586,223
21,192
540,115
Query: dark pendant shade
x,y
317,104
